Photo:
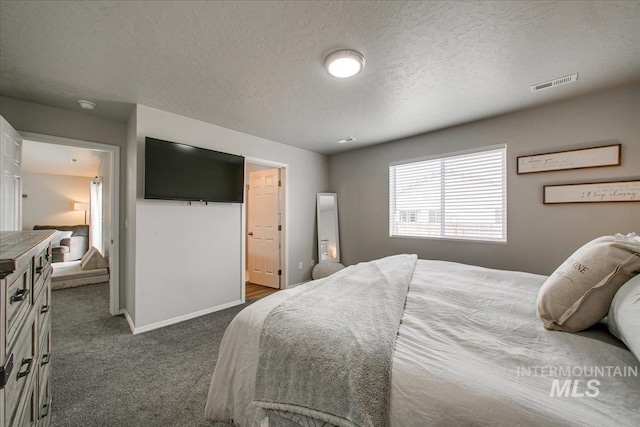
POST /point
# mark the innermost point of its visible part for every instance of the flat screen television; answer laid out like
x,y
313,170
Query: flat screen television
x,y
181,172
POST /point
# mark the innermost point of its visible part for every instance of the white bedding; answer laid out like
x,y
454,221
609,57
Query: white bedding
x,y
469,337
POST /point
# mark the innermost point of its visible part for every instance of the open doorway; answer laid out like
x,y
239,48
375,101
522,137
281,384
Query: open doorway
x,y
73,186
265,229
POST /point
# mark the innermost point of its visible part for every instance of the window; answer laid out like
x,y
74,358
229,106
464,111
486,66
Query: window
x,y
408,216
458,196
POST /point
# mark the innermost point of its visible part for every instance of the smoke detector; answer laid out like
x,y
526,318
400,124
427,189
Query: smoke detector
x,y
553,83
87,105
347,139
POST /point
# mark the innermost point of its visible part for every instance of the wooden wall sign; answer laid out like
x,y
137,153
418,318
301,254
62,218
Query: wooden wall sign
x,y
593,192
594,157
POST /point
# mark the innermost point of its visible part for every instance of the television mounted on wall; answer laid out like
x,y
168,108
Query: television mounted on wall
x,y
174,171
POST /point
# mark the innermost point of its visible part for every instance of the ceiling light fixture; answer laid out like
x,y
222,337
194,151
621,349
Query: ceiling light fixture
x,y
344,63
74,161
87,105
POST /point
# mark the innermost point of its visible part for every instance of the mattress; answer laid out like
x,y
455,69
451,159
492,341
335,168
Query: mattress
x,y
470,351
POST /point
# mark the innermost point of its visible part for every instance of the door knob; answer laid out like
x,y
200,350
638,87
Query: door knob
x,y
251,233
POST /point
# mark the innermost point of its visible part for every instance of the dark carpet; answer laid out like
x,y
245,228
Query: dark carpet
x,y
102,375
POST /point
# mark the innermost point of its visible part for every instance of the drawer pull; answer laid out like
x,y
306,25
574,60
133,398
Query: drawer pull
x,y
45,308
45,359
47,256
20,295
24,373
5,372
44,410
39,270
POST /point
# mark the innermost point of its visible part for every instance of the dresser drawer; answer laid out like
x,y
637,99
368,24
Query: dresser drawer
x,y
23,370
44,355
45,411
43,310
18,302
27,411
44,388
41,266
39,285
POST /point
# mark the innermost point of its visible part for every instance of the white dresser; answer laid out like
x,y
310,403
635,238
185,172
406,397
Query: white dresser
x,y
25,328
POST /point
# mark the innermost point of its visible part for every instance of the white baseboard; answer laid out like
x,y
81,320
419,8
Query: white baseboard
x,y
129,320
138,330
297,284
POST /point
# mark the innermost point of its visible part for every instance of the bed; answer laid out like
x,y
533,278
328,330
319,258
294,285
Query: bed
x,y
470,350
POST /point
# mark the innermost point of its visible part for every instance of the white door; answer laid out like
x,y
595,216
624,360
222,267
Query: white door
x,y
263,240
10,174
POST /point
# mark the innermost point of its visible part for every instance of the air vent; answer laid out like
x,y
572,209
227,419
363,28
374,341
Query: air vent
x,y
553,83
348,139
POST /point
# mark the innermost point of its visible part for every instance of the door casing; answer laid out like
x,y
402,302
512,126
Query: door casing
x,y
284,210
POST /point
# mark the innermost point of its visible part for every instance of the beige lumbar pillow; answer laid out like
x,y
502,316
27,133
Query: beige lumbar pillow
x,y
93,260
579,293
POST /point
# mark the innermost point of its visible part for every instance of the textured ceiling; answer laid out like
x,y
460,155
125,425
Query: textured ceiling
x,y
256,67
54,159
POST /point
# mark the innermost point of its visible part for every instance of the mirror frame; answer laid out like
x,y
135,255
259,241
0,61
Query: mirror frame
x,y
335,202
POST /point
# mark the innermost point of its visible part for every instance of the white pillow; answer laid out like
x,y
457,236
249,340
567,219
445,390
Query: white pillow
x,y
624,315
579,293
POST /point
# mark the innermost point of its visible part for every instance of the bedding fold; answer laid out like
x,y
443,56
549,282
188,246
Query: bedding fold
x,y
335,364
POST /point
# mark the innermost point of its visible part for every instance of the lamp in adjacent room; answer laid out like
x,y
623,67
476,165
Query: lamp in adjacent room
x,y
77,206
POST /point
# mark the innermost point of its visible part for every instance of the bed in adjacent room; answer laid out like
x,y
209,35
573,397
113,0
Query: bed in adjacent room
x,y
470,350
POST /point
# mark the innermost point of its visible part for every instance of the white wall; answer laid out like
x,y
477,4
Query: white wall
x,y
188,259
540,236
50,199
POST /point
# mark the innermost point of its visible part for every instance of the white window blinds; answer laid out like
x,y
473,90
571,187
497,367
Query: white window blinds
x,y
460,196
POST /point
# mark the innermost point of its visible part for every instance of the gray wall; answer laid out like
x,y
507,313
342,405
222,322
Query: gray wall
x,y
539,236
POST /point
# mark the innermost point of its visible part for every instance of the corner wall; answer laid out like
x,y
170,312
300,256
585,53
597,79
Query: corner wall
x,y
188,259
127,298
539,236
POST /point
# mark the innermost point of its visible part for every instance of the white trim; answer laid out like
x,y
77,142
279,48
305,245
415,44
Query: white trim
x,y
447,155
298,284
129,320
178,319
285,249
114,150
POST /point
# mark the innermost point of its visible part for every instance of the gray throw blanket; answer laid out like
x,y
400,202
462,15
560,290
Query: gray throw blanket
x,y
326,352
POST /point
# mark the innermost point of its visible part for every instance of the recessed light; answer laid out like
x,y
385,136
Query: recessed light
x,y
344,63
74,161
348,139
87,105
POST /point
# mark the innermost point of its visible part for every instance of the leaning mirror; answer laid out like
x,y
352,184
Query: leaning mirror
x,y
328,243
